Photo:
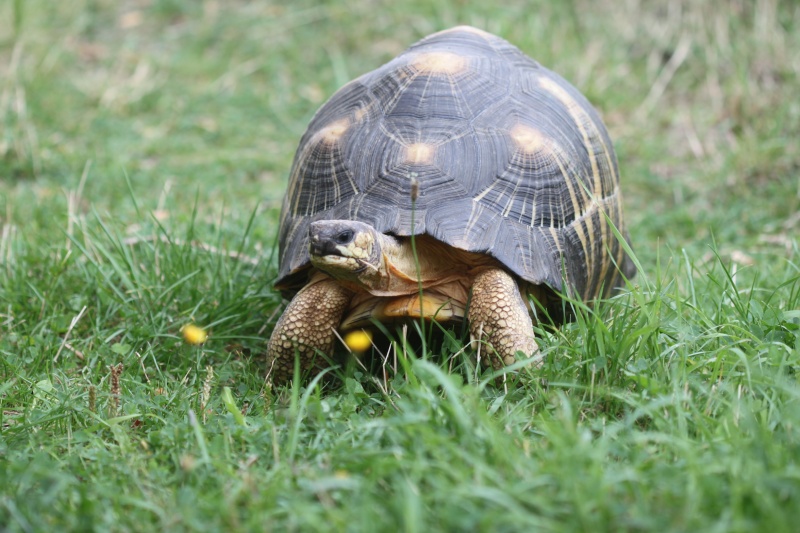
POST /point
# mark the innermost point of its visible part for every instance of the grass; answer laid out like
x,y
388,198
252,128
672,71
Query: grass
x,y
143,157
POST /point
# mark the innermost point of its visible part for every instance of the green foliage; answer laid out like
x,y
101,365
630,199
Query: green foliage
x,y
144,148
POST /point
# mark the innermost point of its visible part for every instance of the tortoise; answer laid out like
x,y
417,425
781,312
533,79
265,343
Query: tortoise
x,y
461,172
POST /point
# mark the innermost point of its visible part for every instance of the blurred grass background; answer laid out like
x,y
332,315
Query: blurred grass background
x,y
141,142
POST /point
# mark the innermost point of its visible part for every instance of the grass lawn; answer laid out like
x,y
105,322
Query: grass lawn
x,y
144,151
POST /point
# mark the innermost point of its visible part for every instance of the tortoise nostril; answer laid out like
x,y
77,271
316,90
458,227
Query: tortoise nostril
x,y
344,237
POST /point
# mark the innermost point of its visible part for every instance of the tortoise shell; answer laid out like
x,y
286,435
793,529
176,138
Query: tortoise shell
x,y
501,156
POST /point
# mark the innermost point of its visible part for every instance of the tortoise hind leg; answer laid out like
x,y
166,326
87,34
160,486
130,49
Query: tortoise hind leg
x,y
307,328
499,317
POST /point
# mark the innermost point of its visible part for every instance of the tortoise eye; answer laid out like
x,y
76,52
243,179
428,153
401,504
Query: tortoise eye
x,y
344,237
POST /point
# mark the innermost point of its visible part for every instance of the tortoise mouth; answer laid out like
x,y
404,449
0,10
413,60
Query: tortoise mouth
x,y
327,253
337,263
324,248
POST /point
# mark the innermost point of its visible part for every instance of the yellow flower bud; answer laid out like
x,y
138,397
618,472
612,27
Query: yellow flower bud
x,y
358,340
194,334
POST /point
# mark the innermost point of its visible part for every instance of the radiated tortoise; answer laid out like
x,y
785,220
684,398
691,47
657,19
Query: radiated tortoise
x,y
500,169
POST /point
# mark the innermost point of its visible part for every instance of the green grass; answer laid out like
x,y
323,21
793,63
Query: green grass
x,y
144,151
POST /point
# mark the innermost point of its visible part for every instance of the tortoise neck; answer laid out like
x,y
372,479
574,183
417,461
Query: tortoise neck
x,y
433,262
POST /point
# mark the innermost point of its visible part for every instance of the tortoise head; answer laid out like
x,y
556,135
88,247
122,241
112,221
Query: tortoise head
x,y
349,250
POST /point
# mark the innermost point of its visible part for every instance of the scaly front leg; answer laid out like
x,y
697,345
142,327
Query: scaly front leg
x,y
306,328
499,317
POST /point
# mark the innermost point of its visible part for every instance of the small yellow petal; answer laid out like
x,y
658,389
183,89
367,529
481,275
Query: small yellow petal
x,y
194,334
358,340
